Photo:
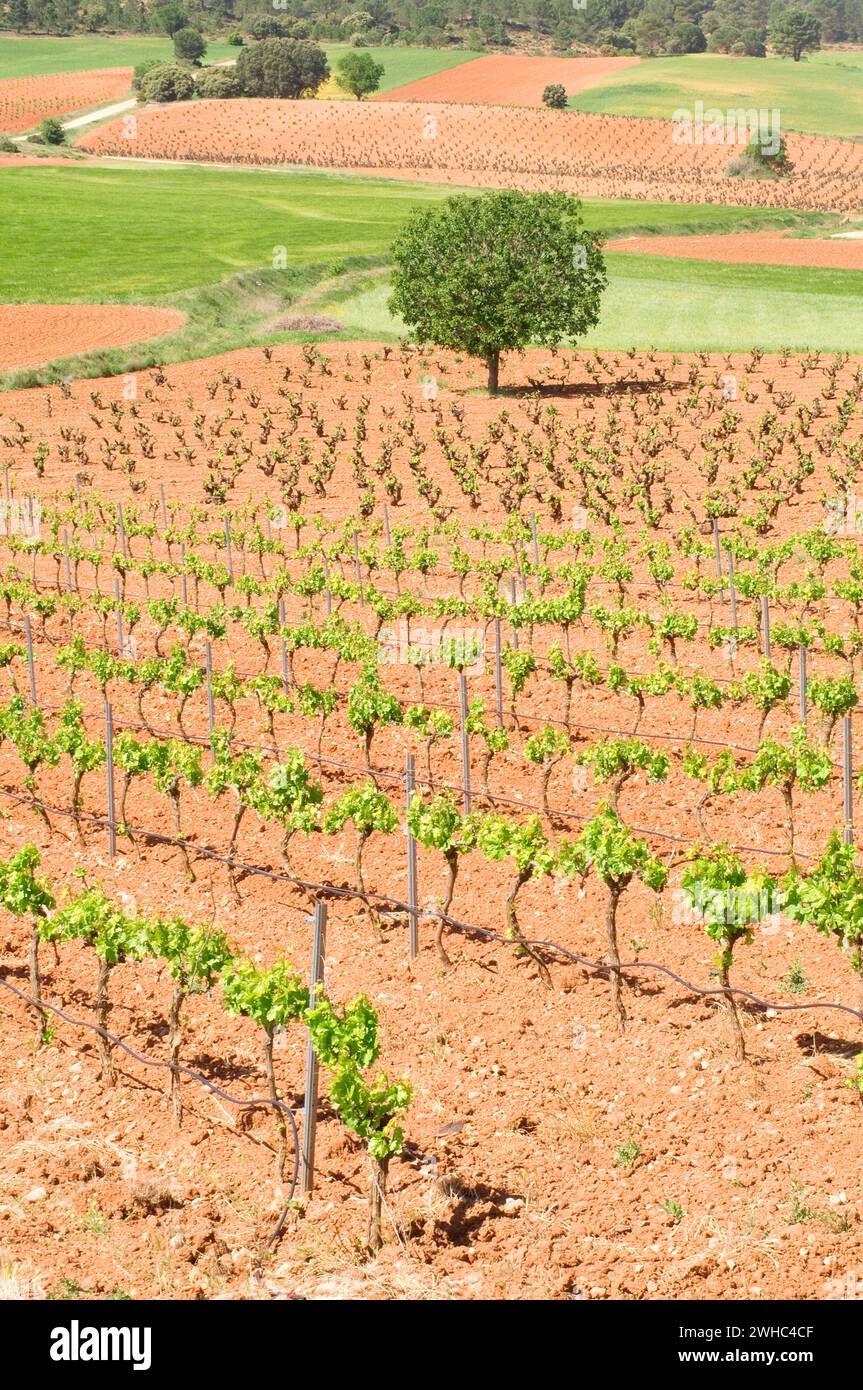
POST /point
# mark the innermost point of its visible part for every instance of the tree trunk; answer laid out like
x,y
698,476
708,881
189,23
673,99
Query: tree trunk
x,y
36,985
377,1192
103,1009
731,1007
614,893
789,816
76,809
274,1097
451,856
513,930
175,1039
492,362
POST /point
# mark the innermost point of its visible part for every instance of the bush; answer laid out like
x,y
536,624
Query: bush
x,y
235,39
189,45
140,72
167,82
281,68
7,145
52,131
757,163
554,96
216,83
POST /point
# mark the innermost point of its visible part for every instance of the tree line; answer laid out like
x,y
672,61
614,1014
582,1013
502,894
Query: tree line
x,y
647,27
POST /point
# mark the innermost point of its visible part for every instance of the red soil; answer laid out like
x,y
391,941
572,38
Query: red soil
x,y
31,334
746,1183
750,248
24,101
508,81
590,155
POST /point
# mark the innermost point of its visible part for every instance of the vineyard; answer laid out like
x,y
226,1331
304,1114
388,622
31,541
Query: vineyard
x,y
593,156
25,101
553,701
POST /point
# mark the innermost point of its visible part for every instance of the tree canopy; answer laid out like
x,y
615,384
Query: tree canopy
x,y
492,274
281,68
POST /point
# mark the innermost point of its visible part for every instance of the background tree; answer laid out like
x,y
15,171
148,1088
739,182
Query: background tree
x,y
286,68
216,83
359,74
189,45
792,32
169,18
166,82
495,273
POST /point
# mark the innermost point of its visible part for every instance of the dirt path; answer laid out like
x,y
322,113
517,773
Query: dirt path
x,y
31,334
516,81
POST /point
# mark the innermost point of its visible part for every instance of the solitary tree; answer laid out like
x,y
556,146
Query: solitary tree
x,y
792,32
494,273
359,74
281,68
554,96
190,45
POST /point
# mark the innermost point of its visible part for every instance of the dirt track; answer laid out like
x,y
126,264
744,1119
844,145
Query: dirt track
x,y
515,81
31,334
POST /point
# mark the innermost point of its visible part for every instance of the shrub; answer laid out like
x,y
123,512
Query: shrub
x,y
167,82
554,96
758,163
236,39
218,83
189,45
285,68
7,145
51,131
140,71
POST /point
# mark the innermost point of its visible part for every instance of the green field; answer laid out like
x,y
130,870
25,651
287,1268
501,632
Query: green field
x,y
822,94
34,57
683,306
204,240
154,229
37,57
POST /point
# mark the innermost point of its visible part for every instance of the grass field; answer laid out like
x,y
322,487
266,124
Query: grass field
x,y
822,94
682,306
203,240
186,226
34,57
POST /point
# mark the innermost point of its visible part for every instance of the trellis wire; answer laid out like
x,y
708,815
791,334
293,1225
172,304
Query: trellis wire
x,y
178,1067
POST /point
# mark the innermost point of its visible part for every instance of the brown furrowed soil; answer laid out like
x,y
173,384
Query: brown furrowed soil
x,y
548,1155
516,80
751,248
31,334
25,101
594,156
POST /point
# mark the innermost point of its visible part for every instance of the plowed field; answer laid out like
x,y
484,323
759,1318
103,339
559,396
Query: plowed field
x,y
594,156
24,101
516,80
31,334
